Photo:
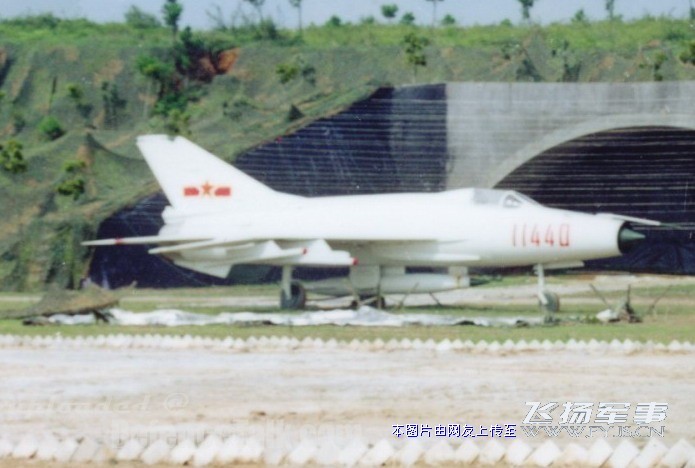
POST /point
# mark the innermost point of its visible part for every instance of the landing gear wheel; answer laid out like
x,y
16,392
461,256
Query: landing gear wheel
x,y
297,299
550,302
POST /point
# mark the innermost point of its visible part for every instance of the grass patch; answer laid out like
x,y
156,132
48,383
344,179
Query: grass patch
x,y
660,330
674,321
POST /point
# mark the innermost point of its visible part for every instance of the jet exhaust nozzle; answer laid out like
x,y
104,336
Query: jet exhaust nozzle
x,y
628,239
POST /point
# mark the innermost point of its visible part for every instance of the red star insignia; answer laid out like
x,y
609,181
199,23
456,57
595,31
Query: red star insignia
x,y
207,189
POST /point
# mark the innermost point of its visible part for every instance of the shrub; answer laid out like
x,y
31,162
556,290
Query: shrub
x,y
408,19
51,128
11,157
138,19
72,188
448,20
74,185
334,22
267,30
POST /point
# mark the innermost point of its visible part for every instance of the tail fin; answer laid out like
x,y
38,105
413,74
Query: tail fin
x,y
196,180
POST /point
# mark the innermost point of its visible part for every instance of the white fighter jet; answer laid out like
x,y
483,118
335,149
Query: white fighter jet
x,y
220,217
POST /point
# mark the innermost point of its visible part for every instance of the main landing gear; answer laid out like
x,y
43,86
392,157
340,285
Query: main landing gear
x,y
549,302
292,294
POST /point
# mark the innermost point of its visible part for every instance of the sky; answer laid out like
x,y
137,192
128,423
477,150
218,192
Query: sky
x,y
466,12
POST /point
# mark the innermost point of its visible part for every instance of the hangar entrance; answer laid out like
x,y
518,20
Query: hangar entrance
x,y
646,172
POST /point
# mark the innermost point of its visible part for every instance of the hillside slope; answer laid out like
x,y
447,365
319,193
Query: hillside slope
x,y
242,106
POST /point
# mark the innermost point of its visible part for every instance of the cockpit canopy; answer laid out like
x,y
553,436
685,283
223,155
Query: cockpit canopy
x,y
503,198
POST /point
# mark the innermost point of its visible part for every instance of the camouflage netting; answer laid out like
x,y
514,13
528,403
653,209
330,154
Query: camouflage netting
x,y
239,110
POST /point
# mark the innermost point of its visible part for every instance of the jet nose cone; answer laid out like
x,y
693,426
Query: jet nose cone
x,y
628,239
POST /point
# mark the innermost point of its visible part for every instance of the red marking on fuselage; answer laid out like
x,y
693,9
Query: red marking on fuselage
x,y
564,235
207,190
223,192
118,241
191,192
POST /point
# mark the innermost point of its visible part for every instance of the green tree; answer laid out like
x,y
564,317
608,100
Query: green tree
x,y
526,6
571,65
267,30
188,50
138,19
287,72
334,22
161,73
298,5
73,184
76,95
688,55
659,61
448,20
692,10
51,128
258,5
389,11
434,11
408,19
153,68
415,51
113,104
580,17
172,10
610,9
178,122
11,157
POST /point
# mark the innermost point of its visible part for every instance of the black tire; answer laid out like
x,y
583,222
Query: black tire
x,y
297,299
552,302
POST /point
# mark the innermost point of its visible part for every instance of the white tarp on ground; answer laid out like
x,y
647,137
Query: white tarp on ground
x,y
365,317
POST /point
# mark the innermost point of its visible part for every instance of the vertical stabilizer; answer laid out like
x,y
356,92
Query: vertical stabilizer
x,y
194,179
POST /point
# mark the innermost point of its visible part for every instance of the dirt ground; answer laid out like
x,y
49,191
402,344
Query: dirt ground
x,y
280,398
